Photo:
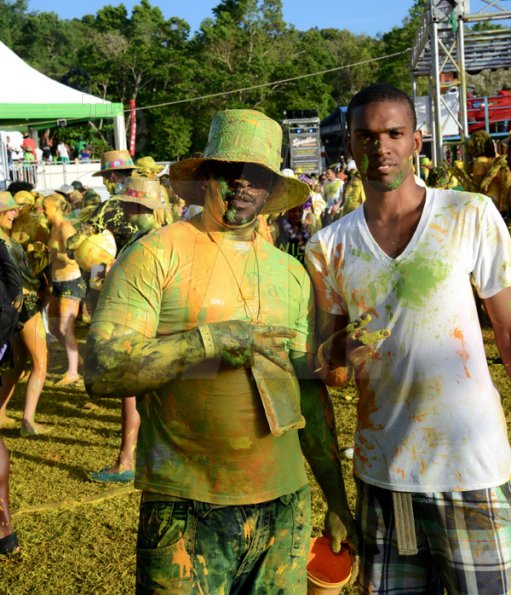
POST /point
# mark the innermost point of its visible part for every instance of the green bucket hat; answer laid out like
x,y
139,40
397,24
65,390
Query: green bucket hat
x,y
7,202
241,136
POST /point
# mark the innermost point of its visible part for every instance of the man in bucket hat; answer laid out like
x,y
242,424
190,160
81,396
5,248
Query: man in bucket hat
x,y
212,327
116,167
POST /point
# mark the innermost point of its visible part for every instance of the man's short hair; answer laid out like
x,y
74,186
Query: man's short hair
x,y
378,93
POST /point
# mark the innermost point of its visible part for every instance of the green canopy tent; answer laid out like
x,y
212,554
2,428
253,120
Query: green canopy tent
x,y
29,98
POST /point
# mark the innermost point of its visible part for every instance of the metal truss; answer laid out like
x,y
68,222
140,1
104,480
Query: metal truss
x,y
443,44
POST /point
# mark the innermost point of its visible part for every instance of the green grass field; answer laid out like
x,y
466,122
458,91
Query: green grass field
x,y
79,536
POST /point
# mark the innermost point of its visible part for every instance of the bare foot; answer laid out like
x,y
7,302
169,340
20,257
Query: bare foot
x,y
67,379
7,422
90,406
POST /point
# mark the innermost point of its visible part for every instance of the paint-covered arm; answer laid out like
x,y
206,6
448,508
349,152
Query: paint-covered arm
x,y
499,164
498,308
122,362
320,447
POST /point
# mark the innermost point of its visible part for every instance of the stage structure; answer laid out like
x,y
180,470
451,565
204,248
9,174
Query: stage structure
x,y
445,43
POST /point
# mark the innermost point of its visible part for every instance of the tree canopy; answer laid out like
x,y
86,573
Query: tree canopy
x,y
179,78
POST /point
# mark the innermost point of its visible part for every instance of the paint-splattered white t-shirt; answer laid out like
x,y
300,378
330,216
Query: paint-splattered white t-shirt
x,y
429,417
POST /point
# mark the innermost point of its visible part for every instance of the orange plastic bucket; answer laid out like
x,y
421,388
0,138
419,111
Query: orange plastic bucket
x,y
327,572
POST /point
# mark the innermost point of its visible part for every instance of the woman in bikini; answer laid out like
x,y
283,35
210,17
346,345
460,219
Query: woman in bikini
x,y
68,285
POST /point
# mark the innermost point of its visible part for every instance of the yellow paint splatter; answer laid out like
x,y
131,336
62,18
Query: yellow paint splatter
x,y
241,443
181,558
247,529
438,228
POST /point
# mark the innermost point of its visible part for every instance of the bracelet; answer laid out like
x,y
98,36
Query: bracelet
x,y
207,341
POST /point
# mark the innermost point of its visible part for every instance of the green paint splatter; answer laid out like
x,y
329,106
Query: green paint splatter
x,y
230,215
398,181
418,278
362,255
223,188
364,166
412,280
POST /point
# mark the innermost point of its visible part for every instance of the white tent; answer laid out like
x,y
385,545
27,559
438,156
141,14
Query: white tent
x,y
28,97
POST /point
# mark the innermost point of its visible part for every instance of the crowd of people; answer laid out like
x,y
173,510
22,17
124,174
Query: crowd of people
x,y
49,149
223,299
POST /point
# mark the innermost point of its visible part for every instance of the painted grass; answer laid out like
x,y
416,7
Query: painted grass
x,y
79,536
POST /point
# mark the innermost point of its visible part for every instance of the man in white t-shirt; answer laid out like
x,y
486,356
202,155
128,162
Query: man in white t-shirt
x,y
432,455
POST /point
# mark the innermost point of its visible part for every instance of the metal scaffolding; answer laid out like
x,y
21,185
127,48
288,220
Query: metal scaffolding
x,y
444,43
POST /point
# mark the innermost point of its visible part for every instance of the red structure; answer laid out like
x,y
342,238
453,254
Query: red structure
x,y
490,113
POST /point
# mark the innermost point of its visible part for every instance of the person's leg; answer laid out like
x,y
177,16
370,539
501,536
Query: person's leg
x,y
5,517
130,423
252,549
277,557
470,539
9,380
165,545
382,569
122,471
8,538
33,336
54,318
68,312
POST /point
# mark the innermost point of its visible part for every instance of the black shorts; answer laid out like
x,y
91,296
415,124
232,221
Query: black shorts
x,y
31,306
75,289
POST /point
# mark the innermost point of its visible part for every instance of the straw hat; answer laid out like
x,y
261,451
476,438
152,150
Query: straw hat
x,y
241,136
142,191
115,160
7,202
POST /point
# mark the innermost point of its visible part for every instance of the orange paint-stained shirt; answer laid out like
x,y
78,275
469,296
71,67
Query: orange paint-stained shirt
x,y
429,416
204,436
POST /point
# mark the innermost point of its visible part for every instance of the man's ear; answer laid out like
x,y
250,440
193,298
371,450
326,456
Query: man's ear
x,y
348,143
417,141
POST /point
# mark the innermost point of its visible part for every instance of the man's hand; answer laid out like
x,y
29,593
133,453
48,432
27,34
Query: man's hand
x,y
236,341
340,529
354,341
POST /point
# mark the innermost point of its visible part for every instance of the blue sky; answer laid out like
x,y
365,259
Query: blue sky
x,y
360,16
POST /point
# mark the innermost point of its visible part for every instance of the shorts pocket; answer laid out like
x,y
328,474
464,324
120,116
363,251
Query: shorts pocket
x,y
164,548
299,507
